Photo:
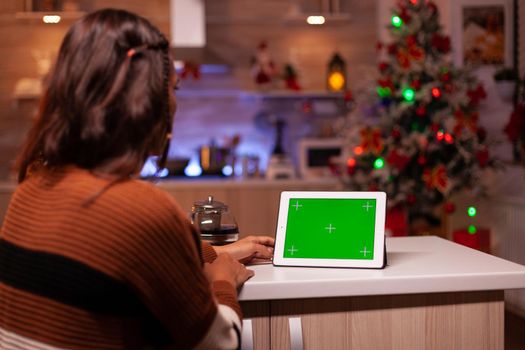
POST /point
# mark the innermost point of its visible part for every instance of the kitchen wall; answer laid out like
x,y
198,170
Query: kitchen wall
x,y
234,29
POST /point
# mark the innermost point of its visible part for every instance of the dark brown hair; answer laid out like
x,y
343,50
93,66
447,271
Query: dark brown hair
x,y
106,103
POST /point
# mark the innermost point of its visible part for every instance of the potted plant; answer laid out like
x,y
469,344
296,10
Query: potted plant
x,y
506,79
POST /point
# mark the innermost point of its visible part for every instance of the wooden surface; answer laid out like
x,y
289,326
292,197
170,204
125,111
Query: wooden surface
x,y
468,320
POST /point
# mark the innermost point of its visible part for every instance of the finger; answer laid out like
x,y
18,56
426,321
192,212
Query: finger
x,y
264,240
262,251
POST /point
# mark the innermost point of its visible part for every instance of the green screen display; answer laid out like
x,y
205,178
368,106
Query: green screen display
x,y
330,229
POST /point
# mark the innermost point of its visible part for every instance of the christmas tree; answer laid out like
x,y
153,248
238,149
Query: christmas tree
x,y
426,143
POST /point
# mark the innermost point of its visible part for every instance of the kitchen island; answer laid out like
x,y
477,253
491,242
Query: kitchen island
x,y
434,294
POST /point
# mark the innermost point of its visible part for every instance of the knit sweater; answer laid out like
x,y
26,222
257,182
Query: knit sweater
x,y
84,265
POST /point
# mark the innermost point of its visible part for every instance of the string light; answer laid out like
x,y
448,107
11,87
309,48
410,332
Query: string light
x,y
379,163
358,150
351,162
440,135
397,21
472,229
384,91
449,139
471,211
436,92
409,94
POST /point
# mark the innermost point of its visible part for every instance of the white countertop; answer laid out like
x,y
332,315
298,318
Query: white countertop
x,y
415,265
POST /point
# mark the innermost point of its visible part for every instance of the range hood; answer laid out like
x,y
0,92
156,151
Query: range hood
x,y
188,36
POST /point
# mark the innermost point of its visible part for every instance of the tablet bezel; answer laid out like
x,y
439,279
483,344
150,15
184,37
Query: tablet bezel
x,y
379,235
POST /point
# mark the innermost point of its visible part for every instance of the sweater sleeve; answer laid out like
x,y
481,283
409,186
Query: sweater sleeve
x,y
169,277
208,253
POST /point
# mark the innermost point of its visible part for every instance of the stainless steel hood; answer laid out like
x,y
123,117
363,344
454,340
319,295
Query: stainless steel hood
x,y
188,35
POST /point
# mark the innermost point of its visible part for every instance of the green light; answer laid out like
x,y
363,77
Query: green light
x,y
379,163
384,91
471,211
409,94
472,229
397,21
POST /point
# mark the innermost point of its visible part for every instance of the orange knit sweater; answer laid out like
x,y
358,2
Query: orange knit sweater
x,y
122,271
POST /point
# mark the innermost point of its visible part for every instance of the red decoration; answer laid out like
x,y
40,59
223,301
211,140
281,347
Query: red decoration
x,y
191,69
464,121
392,49
263,66
483,157
383,66
449,139
516,125
397,221
436,178
396,134
479,240
477,94
386,83
449,207
397,159
415,84
441,43
440,135
436,92
421,160
411,199
371,140
351,162
421,111
445,77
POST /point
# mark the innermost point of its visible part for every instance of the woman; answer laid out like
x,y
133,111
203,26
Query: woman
x,y
91,258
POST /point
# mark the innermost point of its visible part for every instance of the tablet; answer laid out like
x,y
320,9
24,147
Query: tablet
x,y
331,229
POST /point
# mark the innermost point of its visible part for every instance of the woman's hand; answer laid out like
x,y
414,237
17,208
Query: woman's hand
x,y
226,268
249,248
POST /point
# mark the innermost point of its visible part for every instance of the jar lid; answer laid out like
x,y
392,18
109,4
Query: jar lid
x,y
208,204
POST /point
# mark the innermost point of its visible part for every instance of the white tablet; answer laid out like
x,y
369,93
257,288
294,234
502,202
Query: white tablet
x,y
331,229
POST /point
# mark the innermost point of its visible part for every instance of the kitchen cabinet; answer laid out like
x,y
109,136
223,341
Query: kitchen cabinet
x,y
434,294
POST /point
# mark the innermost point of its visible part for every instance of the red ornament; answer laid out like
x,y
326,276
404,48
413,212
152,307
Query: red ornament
x,y
445,77
386,83
477,94
383,66
351,162
483,157
440,135
392,49
421,111
436,92
449,139
396,134
433,8
421,160
415,84
449,207
434,127
441,43
436,178
411,199
398,160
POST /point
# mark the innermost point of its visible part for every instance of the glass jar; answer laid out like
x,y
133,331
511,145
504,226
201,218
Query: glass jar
x,y
215,222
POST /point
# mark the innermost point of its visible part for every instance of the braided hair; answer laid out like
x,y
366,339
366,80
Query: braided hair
x,y
105,105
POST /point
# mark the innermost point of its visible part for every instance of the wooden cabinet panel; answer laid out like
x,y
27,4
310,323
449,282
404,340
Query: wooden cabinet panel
x,y
439,321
